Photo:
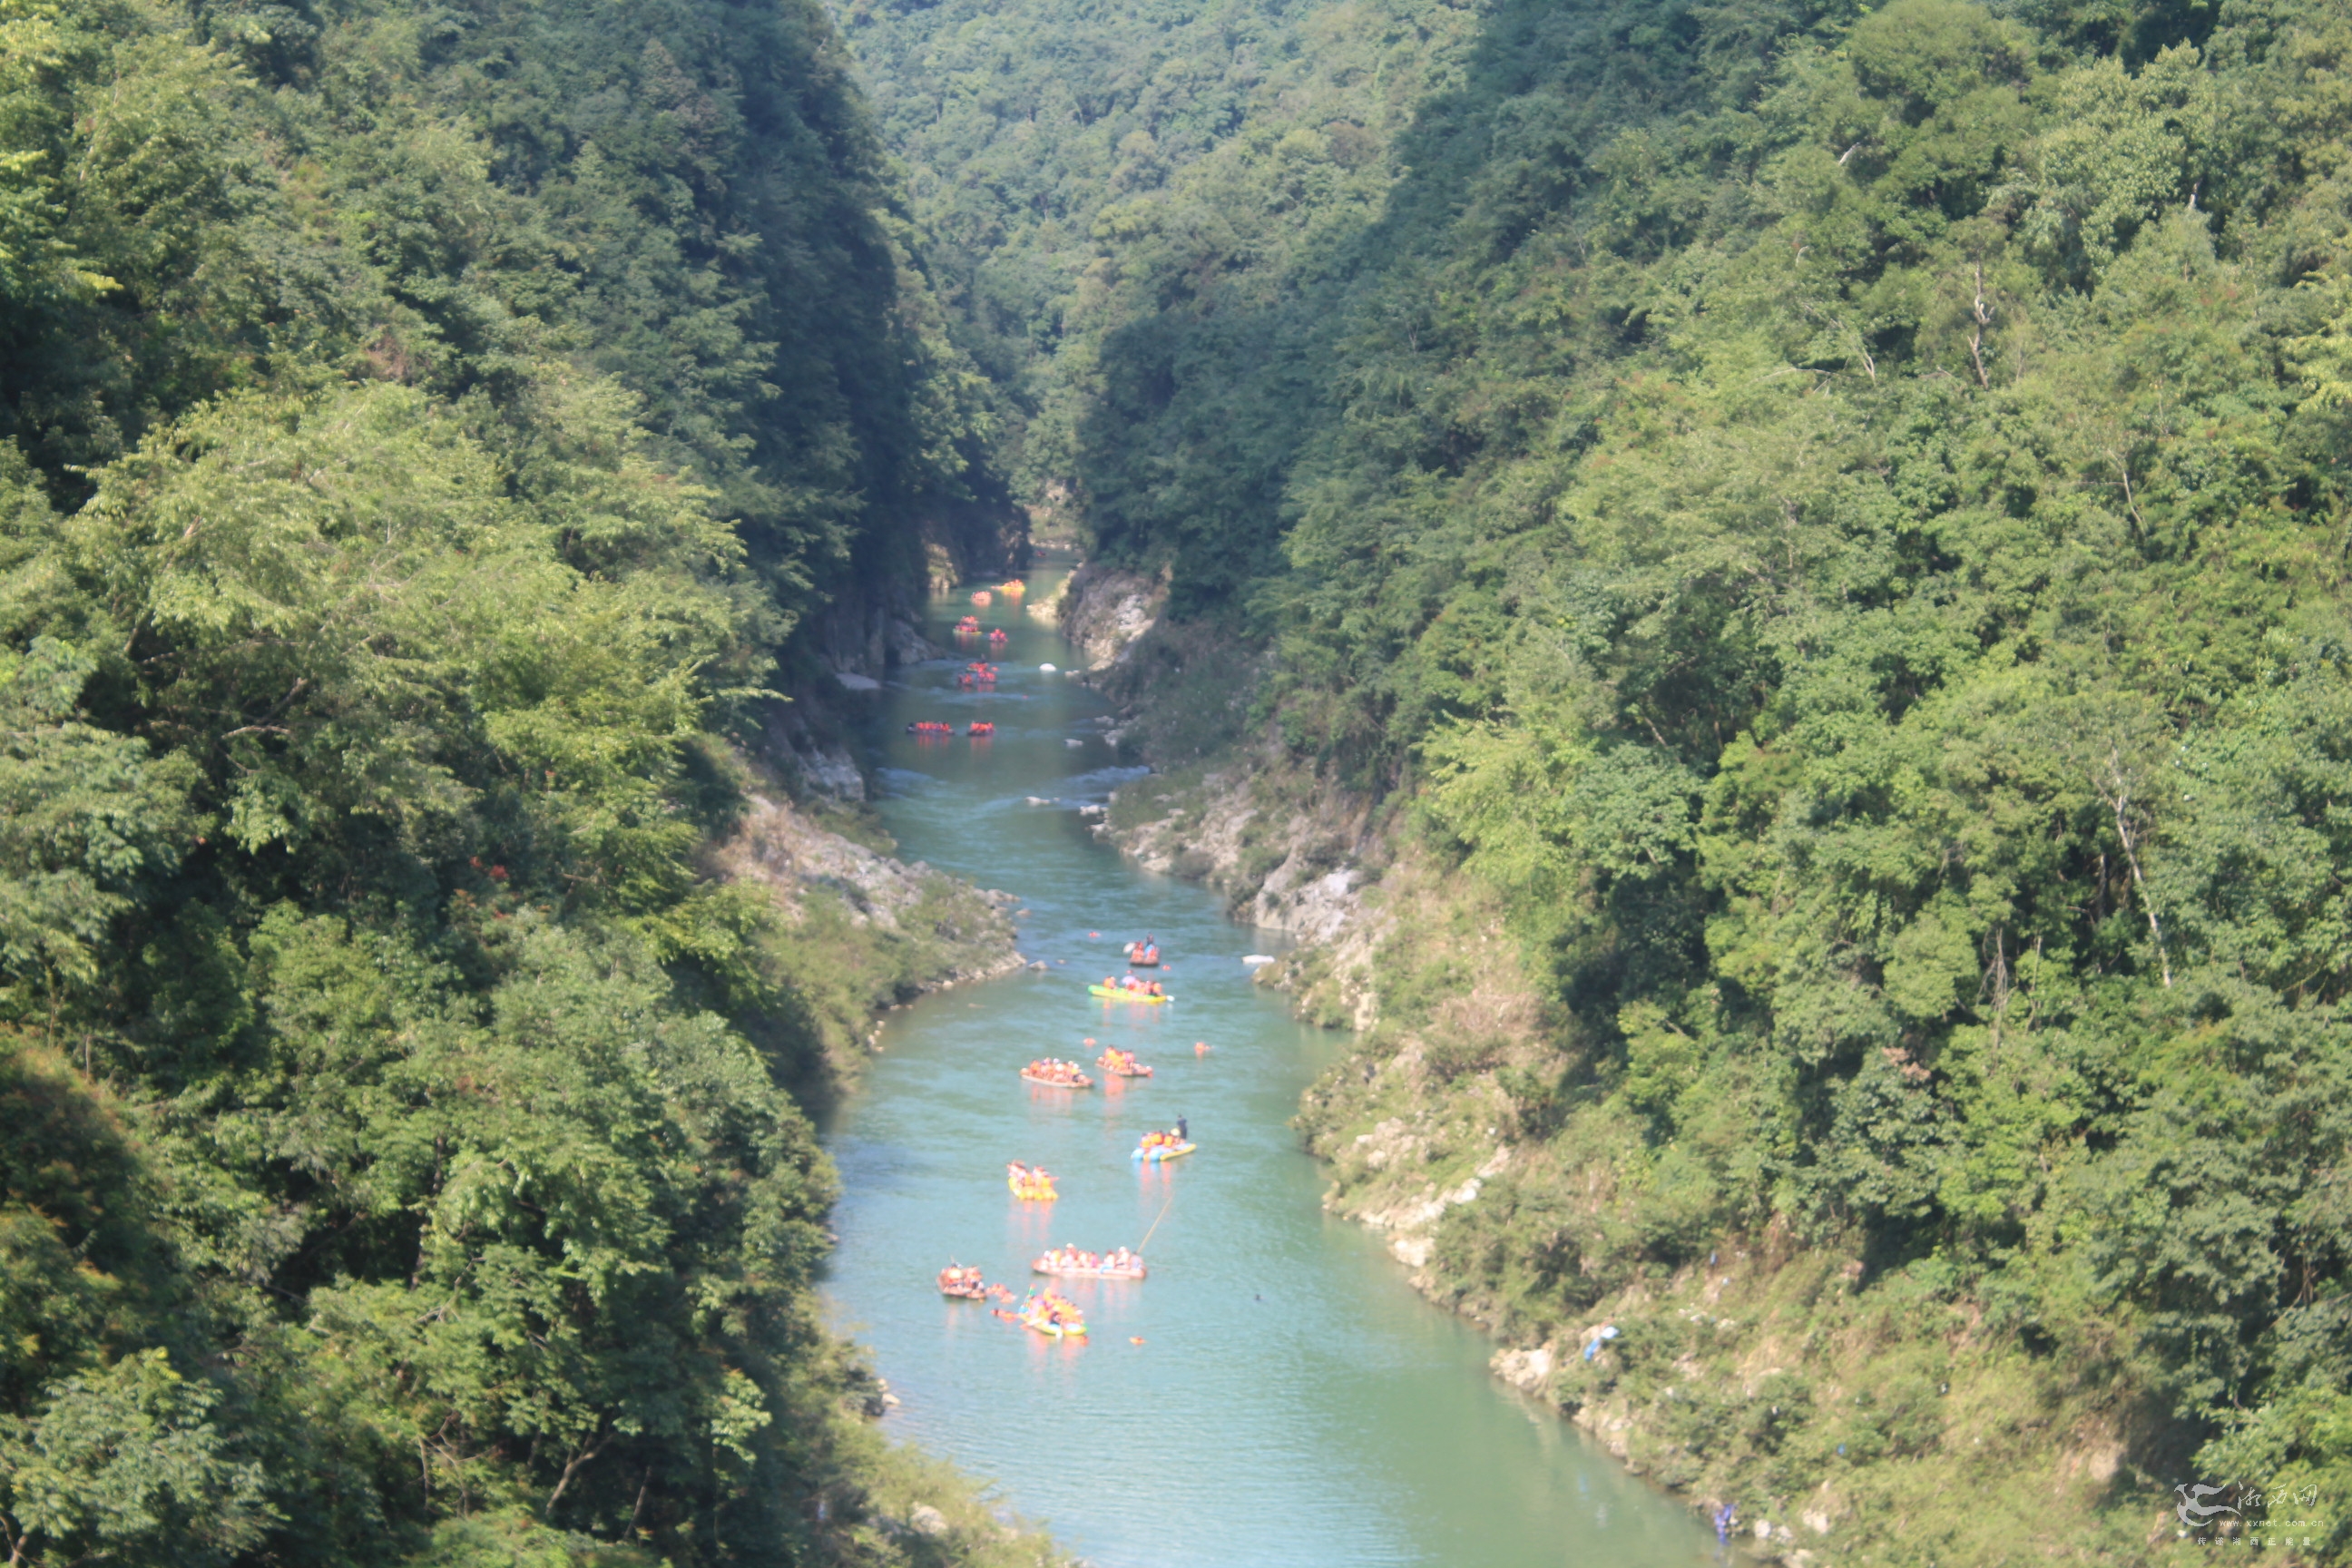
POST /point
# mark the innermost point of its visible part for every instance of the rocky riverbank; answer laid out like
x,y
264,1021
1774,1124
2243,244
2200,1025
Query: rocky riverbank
x,y
854,929
963,932
1828,1406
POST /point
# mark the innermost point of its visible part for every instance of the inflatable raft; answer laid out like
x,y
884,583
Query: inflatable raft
x,y
1029,1183
1044,1265
1080,1081
1054,1330
1120,1065
1120,994
1053,1315
1164,1152
963,1284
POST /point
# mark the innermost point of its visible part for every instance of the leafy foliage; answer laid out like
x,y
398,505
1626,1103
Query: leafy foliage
x,y
422,432
1836,519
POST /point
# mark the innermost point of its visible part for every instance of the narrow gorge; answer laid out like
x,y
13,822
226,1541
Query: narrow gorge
x,y
1715,630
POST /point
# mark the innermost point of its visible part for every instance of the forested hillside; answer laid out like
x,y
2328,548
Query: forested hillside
x,y
421,430
1820,534
1033,135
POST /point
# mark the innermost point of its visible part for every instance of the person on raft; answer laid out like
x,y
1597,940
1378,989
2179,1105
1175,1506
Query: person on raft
x,y
1052,1307
1069,1257
1183,1130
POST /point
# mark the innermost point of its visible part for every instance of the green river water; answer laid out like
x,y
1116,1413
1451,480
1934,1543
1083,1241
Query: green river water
x,y
1294,1402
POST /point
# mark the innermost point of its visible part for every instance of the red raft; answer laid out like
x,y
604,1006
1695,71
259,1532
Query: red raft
x,y
1056,1073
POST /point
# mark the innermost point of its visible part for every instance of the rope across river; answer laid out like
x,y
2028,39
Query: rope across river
x,y
1155,1224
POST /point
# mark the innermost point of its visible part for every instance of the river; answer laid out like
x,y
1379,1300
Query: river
x,y
1291,1402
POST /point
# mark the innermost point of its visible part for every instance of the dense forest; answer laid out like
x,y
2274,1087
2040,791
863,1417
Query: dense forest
x,y
1824,529
1814,536
422,430
1031,134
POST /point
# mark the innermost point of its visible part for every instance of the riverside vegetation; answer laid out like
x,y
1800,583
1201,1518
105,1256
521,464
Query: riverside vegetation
x,y
1814,539
424,433
1802,546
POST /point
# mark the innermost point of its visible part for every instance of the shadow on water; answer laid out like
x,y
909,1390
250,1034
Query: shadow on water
x,y
1292,1403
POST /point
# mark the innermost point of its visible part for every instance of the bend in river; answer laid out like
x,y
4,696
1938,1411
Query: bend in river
x,y
1291,1402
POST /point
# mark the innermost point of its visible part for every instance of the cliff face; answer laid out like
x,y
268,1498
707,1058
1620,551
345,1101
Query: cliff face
x,y
841,655
870,630
1105,610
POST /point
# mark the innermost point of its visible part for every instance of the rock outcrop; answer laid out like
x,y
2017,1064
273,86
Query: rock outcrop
x,y
1105,609
962,931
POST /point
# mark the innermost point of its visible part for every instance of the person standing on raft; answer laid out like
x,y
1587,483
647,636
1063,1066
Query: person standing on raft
x,y
1183,1132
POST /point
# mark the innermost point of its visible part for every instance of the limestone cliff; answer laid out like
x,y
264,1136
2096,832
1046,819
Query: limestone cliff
x,y
1105,609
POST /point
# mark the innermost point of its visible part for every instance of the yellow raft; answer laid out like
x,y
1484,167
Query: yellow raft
x,y
1120,994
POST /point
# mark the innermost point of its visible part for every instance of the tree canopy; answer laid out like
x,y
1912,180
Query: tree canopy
x,y
422,431
1835,517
